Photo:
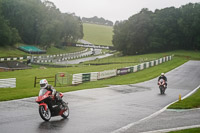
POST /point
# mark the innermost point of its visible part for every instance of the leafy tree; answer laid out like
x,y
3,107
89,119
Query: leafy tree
x,y
163,30
133,34
41,22
8,35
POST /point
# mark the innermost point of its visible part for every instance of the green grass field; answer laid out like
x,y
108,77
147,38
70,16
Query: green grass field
x,y
68,49
25,78
98,34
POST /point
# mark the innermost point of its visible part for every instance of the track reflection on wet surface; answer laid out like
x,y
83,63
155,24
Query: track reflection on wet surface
x,y
101,110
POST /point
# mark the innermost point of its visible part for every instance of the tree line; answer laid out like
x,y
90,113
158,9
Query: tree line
x,y
37,22
97,20
163,30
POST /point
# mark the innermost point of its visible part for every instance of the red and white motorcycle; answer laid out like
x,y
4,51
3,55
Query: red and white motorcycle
x,y
49,107
162,86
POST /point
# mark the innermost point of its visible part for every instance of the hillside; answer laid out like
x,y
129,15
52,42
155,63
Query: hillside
x,y
98,34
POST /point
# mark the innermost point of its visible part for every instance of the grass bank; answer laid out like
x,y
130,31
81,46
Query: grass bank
x,y
192,101
193,130
53,50
98,34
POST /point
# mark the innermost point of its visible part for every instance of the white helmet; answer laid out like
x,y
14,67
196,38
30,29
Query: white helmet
x,y
43,83
162,74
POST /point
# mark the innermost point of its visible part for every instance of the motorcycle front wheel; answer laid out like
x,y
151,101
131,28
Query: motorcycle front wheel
x,y
45,114
66,113
162,90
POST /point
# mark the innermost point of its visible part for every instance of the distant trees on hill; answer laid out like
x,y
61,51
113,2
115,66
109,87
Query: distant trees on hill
x,y
97,20
36,22
162,30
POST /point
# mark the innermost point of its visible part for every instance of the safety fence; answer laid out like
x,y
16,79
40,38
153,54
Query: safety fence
x,y
60,79
8,83
51,80
94,76
48,58
55,58
61,57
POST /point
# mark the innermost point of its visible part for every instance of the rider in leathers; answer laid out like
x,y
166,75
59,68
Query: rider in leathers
x,y
162,76
44,85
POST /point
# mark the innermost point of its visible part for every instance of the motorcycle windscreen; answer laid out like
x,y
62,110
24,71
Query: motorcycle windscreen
x,y
42,92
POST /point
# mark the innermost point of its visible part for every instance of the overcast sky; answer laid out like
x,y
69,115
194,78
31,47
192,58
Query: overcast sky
x,y
114,9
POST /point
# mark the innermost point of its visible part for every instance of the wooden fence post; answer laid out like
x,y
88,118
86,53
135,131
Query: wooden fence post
x,y
35,82
55,80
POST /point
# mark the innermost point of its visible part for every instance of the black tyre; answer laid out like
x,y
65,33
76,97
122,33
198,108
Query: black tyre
x,y
162,90
45,114
66,113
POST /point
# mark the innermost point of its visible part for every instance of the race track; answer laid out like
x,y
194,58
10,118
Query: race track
x,y
101,110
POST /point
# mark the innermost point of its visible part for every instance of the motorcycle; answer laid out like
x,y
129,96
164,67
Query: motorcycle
x,y
162,86
49,107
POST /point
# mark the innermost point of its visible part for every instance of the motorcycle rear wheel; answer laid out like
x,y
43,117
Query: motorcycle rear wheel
x,y
66,113
45,114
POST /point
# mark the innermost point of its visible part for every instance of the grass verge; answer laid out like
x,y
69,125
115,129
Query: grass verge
x,y
193,130
192,101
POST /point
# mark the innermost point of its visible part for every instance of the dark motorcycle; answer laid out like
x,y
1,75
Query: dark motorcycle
x,y
49,107
162,86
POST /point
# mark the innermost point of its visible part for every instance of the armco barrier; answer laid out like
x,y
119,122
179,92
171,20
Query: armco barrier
x,y
94,76
85,77
123,71
107,74
142,66
40,60
147,64
8,83
161,60
77,78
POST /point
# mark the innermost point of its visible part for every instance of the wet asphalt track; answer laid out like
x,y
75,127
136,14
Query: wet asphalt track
x,y
101,110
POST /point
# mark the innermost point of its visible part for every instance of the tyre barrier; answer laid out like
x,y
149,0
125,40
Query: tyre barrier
x,y
62,57
15,58
40,59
